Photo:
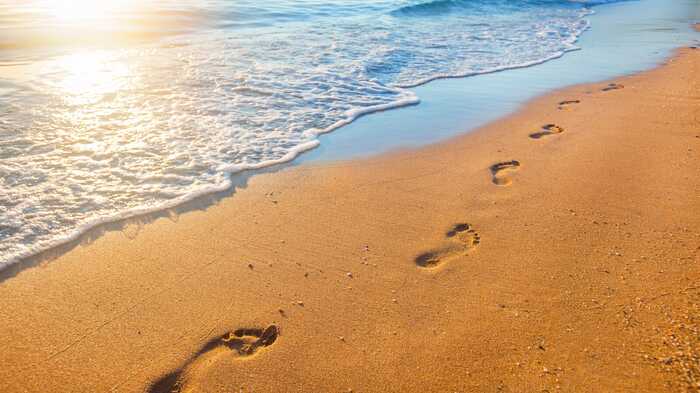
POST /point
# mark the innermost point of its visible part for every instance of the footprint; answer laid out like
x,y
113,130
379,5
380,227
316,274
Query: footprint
x,y
547,129
460,239
465,234
242,342
501,169
613,86
565,104
247,341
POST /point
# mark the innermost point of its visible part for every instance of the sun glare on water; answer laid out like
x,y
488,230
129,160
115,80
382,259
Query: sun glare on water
x,y
82,11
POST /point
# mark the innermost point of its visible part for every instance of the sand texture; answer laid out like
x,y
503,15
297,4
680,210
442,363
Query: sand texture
x,y
557,249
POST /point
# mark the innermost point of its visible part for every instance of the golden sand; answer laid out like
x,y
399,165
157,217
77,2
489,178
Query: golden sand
x,y
557,249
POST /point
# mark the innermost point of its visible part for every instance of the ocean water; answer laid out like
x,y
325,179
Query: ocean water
x,y
623,38
109,111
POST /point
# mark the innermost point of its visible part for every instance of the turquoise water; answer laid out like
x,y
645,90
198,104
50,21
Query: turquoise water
x,y
111,113
624,38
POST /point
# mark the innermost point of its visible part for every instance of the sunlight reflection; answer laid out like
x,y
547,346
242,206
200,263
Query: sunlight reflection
x,y
92,23
88,77
86,11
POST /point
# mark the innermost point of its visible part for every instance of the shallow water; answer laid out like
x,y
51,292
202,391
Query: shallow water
x,y
624,38
111,114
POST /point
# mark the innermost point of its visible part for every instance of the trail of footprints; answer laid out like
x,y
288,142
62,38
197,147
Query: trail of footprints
x,y
246,342
241,343
462,237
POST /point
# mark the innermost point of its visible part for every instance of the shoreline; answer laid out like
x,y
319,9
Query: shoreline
x,y
198,201
569,268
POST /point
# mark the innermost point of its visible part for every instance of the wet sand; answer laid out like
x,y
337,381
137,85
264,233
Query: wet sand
x,y
553,250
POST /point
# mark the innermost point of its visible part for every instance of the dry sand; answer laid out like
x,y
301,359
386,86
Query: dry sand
x,y
573,269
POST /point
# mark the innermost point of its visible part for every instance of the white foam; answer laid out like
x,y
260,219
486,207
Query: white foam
x,y
231,170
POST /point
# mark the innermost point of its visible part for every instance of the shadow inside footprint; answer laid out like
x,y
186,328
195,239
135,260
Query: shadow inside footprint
x,y
432,259
500,169
465,234
170,383
458,228
547,129
566,103
462,239
245,342
613,86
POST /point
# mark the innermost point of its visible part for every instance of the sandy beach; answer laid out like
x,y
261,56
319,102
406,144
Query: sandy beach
x,y
556,249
